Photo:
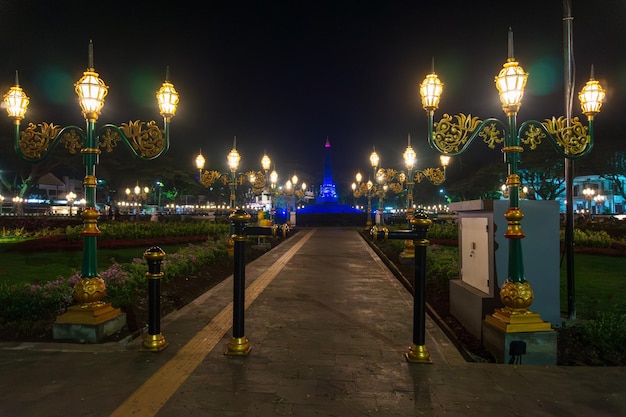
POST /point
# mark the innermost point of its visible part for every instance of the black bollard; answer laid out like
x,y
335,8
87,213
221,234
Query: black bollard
x,y
239,344
154,341
420,224
418,351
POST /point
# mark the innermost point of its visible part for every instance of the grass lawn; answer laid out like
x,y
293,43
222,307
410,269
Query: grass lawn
x,y
599,284
40,266
600,281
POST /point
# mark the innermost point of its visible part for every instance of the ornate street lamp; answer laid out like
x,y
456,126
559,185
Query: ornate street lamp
x,y
136,197
599,203
273,181
70,197
258,179
588,193
18,208
266,164
572,140
364,189
208,178
145,140
436,176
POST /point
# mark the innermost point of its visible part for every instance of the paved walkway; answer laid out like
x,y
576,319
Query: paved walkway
x,y
328,325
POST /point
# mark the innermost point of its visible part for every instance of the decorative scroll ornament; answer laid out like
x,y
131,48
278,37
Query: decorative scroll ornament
x,y
33,143
72,141
436,176
574,139
148,142
491,135
109,139
396,187
258,181
449,136
208,178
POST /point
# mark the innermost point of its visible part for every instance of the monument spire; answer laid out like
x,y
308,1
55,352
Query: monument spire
x,y
328,192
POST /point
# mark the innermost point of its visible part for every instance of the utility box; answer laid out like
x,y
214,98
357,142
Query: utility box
x,y
541,253
476,292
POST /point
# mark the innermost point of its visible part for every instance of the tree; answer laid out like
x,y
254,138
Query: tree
x,y
615,171
543,171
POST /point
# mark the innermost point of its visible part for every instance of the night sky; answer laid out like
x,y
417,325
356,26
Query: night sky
x,y
284,76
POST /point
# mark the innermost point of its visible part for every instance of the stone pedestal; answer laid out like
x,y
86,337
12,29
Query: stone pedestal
x,y
88,324
470,306
521,348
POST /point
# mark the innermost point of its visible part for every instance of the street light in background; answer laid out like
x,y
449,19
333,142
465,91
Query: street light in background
x,y
436,176
599,203
365,189
588,193
293,193
18,208
210,177
273,181
70,197
136,197
145,140
257,179
452,136
160,185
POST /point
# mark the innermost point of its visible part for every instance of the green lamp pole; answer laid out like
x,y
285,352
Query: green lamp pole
x,y
273,181
367,189
436,176
145,140
572,140
209,177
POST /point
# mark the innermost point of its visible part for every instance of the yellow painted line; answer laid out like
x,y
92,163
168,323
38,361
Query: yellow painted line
x,y
148,399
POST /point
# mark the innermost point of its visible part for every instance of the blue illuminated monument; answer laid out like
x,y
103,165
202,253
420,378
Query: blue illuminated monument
x,y
327,210
328,191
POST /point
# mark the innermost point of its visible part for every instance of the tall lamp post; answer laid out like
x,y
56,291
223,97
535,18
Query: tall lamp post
x,y
273,181
599,203
71,197
145,140
260,179
367,189
588,193
209,177
436,176
266,164
137,196
293,194
452,136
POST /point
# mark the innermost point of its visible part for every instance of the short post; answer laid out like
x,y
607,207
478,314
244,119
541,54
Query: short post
x,y
420,223
239,344
418,351
154,341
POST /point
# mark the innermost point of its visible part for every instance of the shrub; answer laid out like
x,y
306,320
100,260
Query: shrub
x,y
28,309
31,309
442,265
443,231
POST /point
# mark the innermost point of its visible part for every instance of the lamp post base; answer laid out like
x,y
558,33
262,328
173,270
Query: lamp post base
x,y
513,322
91,324
238,346
154,342
521,347
418,354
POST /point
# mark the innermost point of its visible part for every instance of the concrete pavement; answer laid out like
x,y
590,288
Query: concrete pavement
x,y
328,324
